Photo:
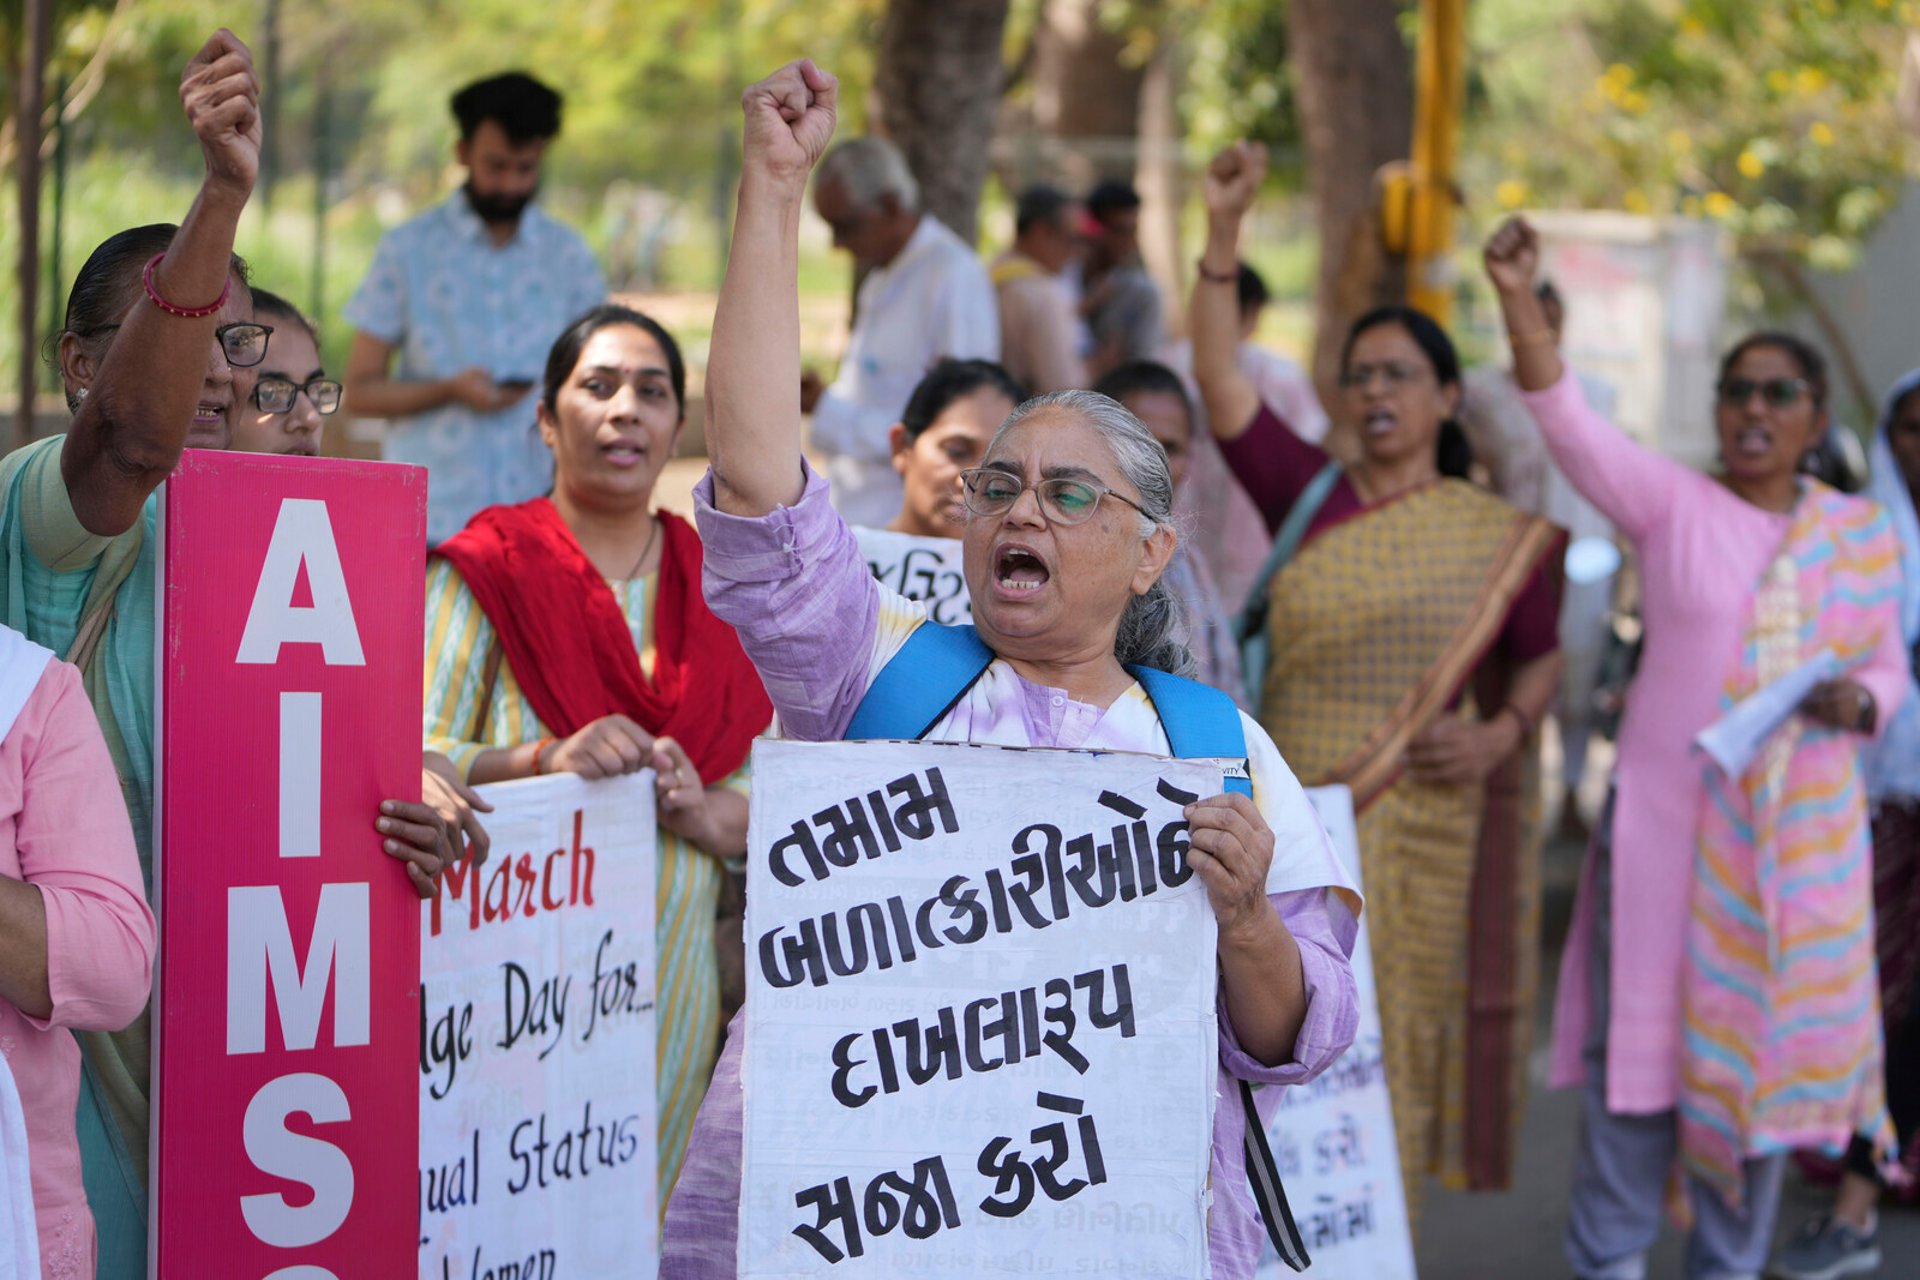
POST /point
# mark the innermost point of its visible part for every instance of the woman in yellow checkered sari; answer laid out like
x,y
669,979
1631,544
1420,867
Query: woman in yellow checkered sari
x,y
1409,590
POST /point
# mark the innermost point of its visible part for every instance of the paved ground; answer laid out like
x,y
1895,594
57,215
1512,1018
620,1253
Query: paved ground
x,y
1516,1235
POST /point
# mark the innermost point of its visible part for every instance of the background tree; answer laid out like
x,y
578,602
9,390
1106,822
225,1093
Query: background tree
x,y
937,82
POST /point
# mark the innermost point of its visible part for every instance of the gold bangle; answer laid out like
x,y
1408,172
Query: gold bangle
x,y
1538,337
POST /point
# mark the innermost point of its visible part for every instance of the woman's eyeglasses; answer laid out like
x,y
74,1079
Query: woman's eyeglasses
x,y
1777,392
989,491
1360,376
244,343
276,395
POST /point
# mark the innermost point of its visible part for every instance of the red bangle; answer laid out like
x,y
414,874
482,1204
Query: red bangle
x,y
175,309
1216,277
538,748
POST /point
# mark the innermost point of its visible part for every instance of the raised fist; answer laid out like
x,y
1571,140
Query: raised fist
x,y
222,97
1512,256
1233,179
789,120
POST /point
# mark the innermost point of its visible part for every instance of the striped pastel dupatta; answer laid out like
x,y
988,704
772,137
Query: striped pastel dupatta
x,y
1782,1043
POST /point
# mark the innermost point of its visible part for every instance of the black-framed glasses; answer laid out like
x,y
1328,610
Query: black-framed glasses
x,y
989,491
1777,392
243,342
276,395
1359,377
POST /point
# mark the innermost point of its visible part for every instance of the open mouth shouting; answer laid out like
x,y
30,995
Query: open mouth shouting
x,y
1752,441
1379,421
1019,572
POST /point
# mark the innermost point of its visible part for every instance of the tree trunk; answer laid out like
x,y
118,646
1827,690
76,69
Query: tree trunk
x,y
33,88
1159,180
937,88
1354,75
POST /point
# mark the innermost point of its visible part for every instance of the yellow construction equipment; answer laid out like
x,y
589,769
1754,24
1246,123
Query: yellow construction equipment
x,y
1418,199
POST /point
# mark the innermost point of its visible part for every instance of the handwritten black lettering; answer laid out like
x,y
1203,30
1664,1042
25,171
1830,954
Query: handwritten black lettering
x,y
920,1204
1015,1177
616,991
448,1042
981,1035
534,1008
572,1153
864,826
1048,879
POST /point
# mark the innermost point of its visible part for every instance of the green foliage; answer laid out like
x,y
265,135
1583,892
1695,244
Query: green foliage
x,y
1776,119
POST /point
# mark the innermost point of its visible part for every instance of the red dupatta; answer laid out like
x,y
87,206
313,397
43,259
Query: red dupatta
x,y
563,633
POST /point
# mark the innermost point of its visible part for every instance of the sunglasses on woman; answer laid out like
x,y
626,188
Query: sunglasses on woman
x,y
1777,392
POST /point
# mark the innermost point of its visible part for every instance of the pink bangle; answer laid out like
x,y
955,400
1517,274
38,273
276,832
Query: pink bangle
x,y
174,309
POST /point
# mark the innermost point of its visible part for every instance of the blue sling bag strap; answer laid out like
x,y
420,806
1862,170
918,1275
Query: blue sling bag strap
x,y
926,680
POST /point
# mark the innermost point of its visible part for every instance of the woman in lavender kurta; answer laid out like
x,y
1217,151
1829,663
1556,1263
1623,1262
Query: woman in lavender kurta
x,y
1623,1024
1050,587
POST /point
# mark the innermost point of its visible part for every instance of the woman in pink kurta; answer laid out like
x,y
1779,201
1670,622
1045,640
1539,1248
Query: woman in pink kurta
x,y
1703,543
76,937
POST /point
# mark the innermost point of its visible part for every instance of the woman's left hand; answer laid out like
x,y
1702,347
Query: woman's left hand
x,y
686,806
1845,705
1454,752
1230,848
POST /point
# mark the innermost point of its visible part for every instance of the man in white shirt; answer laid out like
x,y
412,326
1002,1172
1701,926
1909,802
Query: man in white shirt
x,y
469,296
924,296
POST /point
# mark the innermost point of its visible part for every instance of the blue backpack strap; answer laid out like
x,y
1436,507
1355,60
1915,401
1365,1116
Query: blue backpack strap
x,y
1201,722
919,685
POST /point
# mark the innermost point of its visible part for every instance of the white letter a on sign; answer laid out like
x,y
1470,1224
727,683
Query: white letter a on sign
x,y
301,534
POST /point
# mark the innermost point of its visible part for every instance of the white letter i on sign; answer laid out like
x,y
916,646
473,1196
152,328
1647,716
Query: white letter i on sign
x,y
299,775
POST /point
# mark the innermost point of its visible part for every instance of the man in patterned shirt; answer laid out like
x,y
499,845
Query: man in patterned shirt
x,y
469,295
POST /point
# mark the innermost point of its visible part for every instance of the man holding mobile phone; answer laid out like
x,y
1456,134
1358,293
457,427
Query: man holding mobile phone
x,y
468,296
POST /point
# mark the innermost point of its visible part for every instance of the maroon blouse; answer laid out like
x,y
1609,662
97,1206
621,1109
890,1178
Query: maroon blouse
x,y
1275,466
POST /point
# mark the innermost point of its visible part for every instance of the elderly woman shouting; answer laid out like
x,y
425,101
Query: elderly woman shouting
x,y
1066,536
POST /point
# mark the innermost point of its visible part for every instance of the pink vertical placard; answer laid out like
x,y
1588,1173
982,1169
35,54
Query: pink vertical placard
x,y
285,1081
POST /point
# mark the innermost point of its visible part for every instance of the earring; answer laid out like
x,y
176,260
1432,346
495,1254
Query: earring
x,y
81,394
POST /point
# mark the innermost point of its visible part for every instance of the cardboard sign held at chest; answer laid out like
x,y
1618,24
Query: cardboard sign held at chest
x,y
285,1108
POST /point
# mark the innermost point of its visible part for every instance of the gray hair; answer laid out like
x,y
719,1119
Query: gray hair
x,y
869,168
1151,627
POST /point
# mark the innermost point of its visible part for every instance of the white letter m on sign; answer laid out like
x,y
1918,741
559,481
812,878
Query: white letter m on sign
x,y
259,944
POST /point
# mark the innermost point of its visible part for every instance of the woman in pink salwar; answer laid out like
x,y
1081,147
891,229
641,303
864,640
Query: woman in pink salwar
x,y
1717,998
76,937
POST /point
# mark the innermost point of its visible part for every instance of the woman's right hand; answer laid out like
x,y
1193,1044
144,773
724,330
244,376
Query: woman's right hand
x,y
610,746
1512,256
1233,179
789,121
221,95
